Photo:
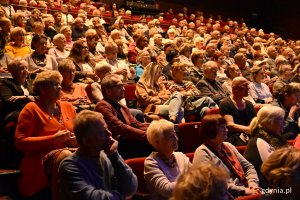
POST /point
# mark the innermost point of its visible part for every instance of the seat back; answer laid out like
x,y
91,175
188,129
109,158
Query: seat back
x,y
88,90
129,94
250,197
137,166
189,136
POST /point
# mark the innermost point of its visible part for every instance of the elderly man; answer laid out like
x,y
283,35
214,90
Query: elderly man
x,y
130,133
78,29
237,111
96,49
95,170
240,61
285,74
209,86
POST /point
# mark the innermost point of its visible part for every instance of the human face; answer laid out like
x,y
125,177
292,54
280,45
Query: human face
x,y
84,50
291,99
221,134
168,142
99,137
19,38
111,54
79,24
259,77
67,33
52,90
211,72
60,43
116,91
288,73
41,46
244,88
235,72
276,126
145,59
21,73
68,74
179,74
92,42
158,40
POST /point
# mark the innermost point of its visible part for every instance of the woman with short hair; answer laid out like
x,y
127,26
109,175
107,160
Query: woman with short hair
x,y
163,166
243,178
43,132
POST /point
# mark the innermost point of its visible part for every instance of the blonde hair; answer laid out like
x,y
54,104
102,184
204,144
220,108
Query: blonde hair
x,y
148,77
156,130
44,78
16,31
282,168
201,182
65,64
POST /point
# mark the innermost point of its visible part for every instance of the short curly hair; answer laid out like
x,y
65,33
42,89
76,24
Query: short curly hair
x,y
44,78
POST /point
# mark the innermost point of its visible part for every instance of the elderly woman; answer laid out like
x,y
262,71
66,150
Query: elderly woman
x,y
243,177
153,96
19,20
5,26
72,92
282,170
202,182
15,92
44,129
133,50
265,131
39,60
67,32
195,71
17,46
258,90
143,59
80,56
163,166
288,99
102,34
59,51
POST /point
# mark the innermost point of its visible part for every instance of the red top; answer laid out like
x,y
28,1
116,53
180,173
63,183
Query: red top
x,y
35,137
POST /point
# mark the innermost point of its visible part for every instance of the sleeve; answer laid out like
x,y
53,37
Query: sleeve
x,y
23,137
252,91
73,184
143,96
206,92
9,51
249,170
127,180
264,149
156,179
202,155
117,127
96,92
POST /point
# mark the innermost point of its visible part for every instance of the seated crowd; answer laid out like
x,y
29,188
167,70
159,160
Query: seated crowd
x,y
62,86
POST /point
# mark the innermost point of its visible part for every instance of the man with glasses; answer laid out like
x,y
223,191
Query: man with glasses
x,y
130,133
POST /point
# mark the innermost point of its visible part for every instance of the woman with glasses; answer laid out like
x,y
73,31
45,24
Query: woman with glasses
x,y
44,130
17,46
243,178
266,135
39,60
84,67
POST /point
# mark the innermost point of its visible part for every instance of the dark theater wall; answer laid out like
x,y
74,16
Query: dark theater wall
x,y
279,16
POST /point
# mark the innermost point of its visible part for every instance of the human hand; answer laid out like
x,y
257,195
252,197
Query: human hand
x,y
252,191
16,98
111,147
132,70
293,110
92,75
62,136
121,72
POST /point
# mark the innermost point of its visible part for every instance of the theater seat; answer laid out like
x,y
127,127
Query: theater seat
x,y
241,149
137,166
189,136
88,90
213,111
130,97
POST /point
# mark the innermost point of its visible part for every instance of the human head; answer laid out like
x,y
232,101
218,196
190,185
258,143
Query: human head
x,y
19,19
186,50
210,126
257,74
59,40
210,49
285,71
78,22
289,94
17,34
80,50
197,58
210,69
142,42
202,182
240,60
102,69
39,44
18,69
5,25
112,87
270,118
91,131
240,87
143,58
161,135
111,51
66,30
232,71
67,69
151,74
178,71
282,170
47,84
91,38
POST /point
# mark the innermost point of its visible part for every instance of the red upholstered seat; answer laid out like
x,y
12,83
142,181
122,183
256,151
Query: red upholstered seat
x,y
88,90
137,166
241,149
189,136
130,95
213,111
